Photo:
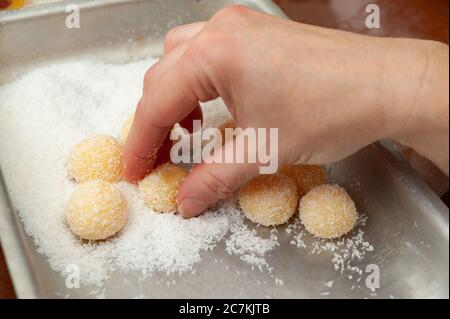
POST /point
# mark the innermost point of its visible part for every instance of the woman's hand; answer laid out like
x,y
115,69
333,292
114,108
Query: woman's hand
x,y
328,92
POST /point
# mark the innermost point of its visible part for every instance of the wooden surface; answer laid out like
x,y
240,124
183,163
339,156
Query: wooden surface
x,y
6,288
427,19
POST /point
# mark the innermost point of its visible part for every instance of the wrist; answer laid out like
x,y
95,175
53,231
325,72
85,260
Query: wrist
x,y
415,91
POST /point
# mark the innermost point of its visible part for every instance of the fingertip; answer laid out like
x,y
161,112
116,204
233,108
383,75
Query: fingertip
x,y
135,167
191,207
136,171
180,34
127,174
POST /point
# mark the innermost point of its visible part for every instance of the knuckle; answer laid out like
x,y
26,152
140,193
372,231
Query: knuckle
x,y
223,188
214,48
149,75
233,10
141,109
205,41
170,38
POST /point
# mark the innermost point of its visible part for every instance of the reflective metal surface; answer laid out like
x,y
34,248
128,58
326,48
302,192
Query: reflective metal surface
x,y
407,223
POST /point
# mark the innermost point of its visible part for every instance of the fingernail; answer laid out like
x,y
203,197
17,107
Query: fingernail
x,y
191,207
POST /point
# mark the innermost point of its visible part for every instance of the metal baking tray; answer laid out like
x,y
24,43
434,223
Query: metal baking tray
x,y
407,224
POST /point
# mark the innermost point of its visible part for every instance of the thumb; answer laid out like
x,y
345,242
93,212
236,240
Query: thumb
x,y
209,183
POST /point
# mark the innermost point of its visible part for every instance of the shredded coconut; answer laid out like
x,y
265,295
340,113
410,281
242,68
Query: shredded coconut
x,y
345,253
245,242
44,114
47,111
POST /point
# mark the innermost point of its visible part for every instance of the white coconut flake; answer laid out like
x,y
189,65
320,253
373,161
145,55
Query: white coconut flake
x,y
44,114
47,111
346,253
279,282
245,243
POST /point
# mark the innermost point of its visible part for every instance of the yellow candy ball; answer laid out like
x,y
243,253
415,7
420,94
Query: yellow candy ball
x,y
306,176
269,199
97,210
159,189
327,211
96,157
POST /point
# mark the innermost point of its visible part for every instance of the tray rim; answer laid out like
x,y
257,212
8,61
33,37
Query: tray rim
x,y
59,7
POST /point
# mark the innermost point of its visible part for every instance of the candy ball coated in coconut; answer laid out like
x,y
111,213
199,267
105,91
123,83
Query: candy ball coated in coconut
x,y
327,211
159,189
96,157
97,210
306,176
269,199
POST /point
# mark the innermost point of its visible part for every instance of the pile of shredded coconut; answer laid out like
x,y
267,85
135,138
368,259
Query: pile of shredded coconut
x,y
47,111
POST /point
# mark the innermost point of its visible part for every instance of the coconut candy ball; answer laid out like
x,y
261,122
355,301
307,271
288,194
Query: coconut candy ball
x,y
327,211
159,189
96,157
269,199
97,210
306,176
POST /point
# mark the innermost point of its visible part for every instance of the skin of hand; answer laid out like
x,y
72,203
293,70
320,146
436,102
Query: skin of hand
x,y
328,92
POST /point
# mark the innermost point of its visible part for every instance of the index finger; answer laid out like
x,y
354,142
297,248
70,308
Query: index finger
x,y
168,97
